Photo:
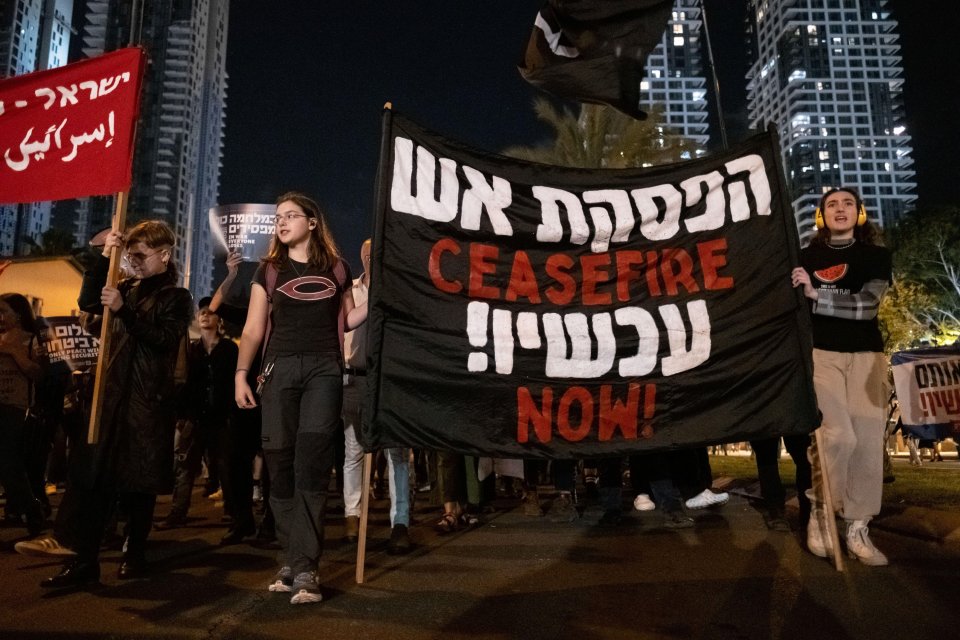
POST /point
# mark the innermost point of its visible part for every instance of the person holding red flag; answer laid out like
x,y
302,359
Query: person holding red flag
x,y
132,461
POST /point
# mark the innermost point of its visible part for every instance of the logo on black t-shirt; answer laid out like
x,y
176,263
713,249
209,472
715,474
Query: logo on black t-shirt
x,y
831,274
309,288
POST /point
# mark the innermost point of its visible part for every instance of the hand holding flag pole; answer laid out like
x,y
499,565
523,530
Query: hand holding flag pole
x,y
113,277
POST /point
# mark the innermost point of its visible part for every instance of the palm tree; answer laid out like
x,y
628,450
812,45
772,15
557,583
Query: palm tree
x,y
53,242
602,137
59,243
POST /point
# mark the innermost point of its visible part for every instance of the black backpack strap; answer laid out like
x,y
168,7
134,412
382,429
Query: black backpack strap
x,y
270,278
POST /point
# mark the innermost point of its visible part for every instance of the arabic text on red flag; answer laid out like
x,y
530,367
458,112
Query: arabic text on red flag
x,y
69,132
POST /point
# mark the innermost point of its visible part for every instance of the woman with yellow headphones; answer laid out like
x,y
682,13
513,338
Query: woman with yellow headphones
x,y
844,275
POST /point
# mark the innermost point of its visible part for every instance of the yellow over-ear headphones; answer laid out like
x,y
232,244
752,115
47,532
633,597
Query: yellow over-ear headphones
x,y
821,223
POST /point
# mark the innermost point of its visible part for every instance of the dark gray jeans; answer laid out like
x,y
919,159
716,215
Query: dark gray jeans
x,y
301,415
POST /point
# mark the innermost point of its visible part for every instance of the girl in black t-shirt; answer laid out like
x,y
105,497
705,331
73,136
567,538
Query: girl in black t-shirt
x,y
845,274
302,293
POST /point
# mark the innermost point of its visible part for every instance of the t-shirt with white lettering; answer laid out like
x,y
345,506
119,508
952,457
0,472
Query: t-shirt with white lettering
x,y
851,280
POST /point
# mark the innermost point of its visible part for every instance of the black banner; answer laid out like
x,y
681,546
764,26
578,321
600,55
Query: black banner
x,y
65,340
525,310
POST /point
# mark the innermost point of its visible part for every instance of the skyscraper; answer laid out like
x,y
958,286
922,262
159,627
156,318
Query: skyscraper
x,y
674,76
34,36
827,73
176,173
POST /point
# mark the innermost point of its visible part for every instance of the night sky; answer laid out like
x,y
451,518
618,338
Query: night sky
x,y
308,82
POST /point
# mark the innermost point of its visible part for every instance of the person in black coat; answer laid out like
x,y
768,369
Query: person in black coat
x,y
132,461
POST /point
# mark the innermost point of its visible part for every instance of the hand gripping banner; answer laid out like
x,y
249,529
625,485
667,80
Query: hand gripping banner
x,y
524,310
69,132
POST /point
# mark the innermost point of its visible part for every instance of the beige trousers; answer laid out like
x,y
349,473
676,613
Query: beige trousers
x,y
851,393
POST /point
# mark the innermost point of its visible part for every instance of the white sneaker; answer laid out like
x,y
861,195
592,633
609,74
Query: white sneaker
x,y
707,499
643,503
860,547
818,542
47,546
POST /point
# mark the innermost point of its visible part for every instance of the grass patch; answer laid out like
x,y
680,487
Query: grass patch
x,y
935,488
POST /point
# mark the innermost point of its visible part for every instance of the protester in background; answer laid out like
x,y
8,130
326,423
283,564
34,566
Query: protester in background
x,y
133,458
46,417
398,458
563,508
354,389
76,418
651,475
845,274
206,410
465,496
690,469
245,452
302,289
21,359
767,452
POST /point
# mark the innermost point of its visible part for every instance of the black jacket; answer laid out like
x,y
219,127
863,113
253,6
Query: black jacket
x,y
135,448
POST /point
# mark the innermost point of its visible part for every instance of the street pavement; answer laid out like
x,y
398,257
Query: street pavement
x,y
514,577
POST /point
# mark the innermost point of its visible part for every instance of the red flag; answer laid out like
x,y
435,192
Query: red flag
x,y
69,132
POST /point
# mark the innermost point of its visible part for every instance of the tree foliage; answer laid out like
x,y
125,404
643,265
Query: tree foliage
x,y
59,243
924,303
53,242
602,137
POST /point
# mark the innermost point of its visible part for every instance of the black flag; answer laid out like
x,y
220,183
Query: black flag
x,y
522,310
594,50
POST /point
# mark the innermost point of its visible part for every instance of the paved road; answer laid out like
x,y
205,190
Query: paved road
x,y
513,577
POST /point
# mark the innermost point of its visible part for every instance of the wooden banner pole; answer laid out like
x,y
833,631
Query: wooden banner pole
x,y
829,515
364,512
113,276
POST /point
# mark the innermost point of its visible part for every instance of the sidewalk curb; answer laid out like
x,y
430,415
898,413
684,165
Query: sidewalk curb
x,y
919,522
937,525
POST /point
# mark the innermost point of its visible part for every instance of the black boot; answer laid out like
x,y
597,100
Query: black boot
x,y
74,574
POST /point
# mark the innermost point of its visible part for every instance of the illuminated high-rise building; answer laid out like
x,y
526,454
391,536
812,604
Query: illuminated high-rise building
x,y
34,36
675,78
176,172
828,74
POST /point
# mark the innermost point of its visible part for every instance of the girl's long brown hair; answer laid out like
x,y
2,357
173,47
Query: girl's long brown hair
x,y
322,250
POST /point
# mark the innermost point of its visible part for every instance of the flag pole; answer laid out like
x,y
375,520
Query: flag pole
x,y
364,513
370,410
827,498
713,73
113,275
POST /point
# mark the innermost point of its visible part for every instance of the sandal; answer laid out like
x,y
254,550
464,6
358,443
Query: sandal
x,y
448,523
469,520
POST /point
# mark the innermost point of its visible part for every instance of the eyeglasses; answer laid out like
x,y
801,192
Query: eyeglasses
x,y
287,217
140,258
